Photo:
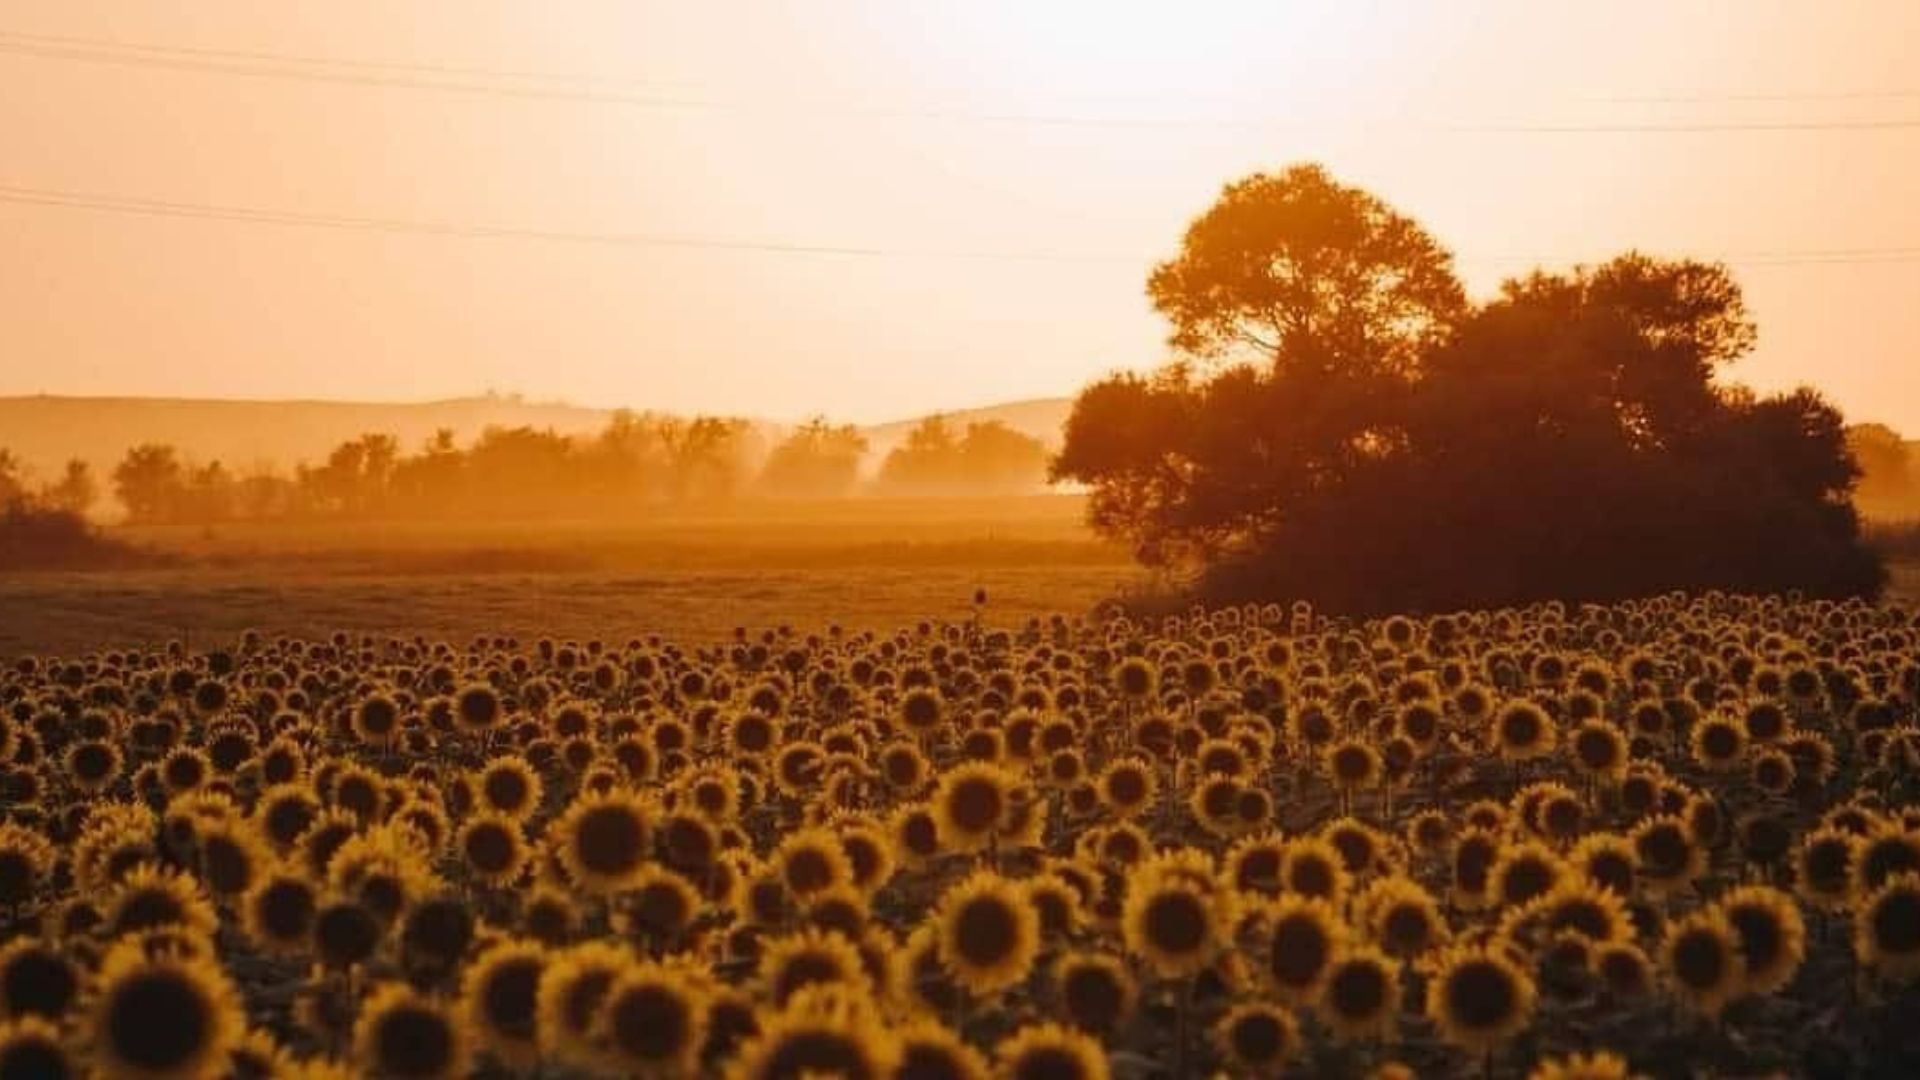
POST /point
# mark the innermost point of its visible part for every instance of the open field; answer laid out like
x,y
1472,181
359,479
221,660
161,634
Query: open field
x,y
864,564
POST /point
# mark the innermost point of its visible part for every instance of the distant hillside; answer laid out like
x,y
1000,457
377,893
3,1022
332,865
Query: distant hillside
x,y
46,431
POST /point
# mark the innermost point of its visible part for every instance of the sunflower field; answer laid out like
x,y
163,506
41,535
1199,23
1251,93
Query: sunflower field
x,y
1669,837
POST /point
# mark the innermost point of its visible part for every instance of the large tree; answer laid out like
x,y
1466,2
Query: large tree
x,y
1570,438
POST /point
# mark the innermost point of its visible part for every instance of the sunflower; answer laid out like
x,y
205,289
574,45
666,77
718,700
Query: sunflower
x,y
1523,872
812,861
93,765
1352,765
1362,993
1402,917
927,1048
1478,998
1052,1052
26,861
1257,1039
160,1014
1471,870
823,1031
33,1049
810,957
434,936
1823,868
567,1007
659,907
500,994
1095,992
1886,928
1522,730
653,1021
1313,867
1303,938
989,933
493,848
36,980
1174,917
477,708
150,897
402,1034
869,856
508,786
971,805
604,840
1772,933
917,977
278,911
1666,855
284,813
1624,969
1719,743
903,767
1701,958
1127,786
1883,852
1598,750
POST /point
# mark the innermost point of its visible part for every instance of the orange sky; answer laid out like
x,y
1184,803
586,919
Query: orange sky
x,y
1018,164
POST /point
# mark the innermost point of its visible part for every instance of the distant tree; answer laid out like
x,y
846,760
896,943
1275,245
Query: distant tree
x,y
707,456
1567,439
210,494
12,482
75,492
1886,468
995,457
149,482
815,459
929,457
988,457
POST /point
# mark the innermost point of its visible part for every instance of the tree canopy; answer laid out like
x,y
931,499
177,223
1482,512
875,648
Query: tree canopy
x,y
1374,442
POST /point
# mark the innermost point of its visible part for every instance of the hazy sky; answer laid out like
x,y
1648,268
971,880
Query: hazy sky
x,y
1019,165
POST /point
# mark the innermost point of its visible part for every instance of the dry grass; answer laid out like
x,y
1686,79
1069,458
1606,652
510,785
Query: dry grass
x,y
860,563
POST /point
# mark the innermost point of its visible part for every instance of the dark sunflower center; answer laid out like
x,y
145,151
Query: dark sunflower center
x,y
286,909
1176,922
414,1042
976,805
1257,1038
1299,952
608,840
1896,923
986,931
1480,996
822,1053
651,1023
158,1021
1700,960
1358,990
508,998
38,982
1093,996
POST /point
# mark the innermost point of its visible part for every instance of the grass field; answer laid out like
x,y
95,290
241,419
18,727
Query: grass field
x,y
859,563
863,563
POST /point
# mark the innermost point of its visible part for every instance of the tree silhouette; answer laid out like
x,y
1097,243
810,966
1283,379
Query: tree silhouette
x,y
1567,439
149,483
815,459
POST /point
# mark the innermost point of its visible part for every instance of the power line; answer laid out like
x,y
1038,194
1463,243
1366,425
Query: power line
x,y
259,216
161,208
460,80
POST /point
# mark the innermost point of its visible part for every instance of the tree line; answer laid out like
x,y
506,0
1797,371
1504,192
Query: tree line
x,y
636,463
1341,424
